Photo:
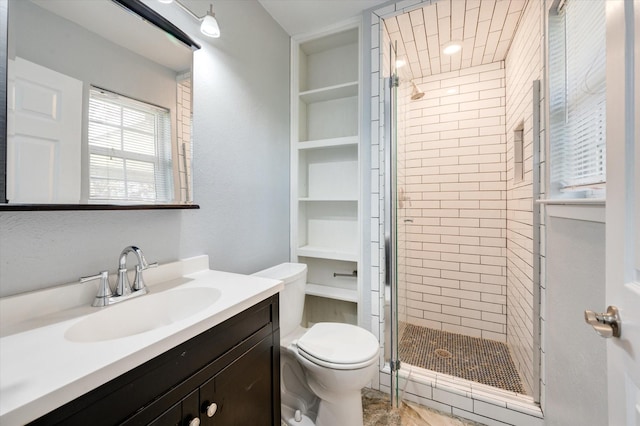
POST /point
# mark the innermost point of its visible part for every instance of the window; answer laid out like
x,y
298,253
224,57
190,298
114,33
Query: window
x,y
129,149
577,78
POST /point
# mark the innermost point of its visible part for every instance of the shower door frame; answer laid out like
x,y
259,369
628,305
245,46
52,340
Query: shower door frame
x,y
390,230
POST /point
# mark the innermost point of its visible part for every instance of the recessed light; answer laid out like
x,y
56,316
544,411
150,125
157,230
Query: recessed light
x,y
451,47
400,63
452,91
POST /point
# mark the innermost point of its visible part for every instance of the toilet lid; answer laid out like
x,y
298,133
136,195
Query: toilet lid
x,y
337,343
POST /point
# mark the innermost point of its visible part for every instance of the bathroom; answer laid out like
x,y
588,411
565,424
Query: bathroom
x,y
241,129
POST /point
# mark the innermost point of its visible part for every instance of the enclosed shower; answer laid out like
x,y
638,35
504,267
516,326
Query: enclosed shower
x,y
461,132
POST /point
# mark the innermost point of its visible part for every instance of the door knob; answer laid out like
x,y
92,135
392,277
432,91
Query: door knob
x,y
606,324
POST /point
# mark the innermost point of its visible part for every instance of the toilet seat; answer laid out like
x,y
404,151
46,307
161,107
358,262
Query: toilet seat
x,y
338,346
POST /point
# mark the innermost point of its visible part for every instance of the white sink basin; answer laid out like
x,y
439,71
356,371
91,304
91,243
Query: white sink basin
x,y
141,314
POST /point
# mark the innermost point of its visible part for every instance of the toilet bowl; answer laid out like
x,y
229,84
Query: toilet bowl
x,y
324,368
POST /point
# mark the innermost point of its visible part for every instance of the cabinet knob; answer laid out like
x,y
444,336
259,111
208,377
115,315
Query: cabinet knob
x,y
194,422
211,409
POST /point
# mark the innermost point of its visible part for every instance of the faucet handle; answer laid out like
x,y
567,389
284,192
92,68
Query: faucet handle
x,y
138,282
104,289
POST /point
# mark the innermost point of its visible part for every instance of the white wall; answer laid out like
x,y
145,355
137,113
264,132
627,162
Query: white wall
x,y
575,369
240,173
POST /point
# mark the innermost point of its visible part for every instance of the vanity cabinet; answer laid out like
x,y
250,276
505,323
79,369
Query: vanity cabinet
x,y
228,375
325,156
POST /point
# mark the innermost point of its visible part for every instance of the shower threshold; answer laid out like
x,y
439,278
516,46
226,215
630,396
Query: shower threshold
x,y
463,398
477,360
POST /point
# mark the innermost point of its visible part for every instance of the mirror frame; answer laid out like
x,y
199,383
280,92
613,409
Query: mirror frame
x,y
145,13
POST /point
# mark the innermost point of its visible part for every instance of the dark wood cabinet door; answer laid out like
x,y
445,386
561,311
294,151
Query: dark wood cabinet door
x,y
242,392
171,417
190,408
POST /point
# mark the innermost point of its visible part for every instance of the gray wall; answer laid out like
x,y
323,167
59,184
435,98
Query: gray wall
x,y
241,172
576,365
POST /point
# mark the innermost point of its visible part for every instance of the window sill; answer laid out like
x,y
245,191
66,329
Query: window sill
x,y
586,209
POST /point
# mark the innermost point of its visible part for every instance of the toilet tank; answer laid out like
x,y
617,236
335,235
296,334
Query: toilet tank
x,y
294,276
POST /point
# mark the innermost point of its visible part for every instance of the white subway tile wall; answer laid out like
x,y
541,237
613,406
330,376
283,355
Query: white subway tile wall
x,y
524,64
183,137
452,215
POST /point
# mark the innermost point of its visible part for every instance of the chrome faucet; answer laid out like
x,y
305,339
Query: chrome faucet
x,y
124,290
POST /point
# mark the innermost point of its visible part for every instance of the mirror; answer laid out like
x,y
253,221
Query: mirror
x,y
98,106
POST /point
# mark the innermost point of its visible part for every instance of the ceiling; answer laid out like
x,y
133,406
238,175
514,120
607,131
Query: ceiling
x,y
485,29
306,16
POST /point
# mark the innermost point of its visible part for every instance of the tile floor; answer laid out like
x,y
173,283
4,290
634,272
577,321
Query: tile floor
x,y
377,412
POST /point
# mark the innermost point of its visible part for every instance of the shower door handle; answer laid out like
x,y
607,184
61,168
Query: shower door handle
x,y
606,324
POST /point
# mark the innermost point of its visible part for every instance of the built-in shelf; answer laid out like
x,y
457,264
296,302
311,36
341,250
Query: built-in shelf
x,y
329,41
328,174
330,93
325,180
328,143
327,253
329,292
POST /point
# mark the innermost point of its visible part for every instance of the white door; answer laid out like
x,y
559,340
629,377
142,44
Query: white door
x,y
623,209
44,124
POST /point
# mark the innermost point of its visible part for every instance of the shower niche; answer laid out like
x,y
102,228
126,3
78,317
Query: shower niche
x,y
325,156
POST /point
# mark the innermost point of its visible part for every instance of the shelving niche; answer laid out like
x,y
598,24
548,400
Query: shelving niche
x,y
325,197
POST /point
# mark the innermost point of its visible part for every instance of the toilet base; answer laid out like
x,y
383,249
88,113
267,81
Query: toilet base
x,y
344,410
304,421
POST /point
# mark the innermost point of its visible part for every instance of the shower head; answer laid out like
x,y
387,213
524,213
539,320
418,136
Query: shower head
x,y
416,93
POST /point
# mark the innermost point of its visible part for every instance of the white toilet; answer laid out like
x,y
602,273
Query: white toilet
x,y
323,368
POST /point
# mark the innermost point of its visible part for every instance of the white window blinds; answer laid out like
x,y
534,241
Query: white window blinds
x,y
577,76
129,149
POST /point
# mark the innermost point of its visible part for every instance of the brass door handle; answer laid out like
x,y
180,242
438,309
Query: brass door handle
x,y
606,324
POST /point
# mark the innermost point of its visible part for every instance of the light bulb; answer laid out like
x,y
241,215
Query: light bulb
x,y
209,26
451,48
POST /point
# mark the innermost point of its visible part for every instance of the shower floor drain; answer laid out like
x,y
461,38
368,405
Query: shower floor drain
x,y
443,353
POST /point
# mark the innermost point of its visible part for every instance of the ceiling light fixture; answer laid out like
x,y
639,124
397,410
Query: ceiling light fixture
x,y
451,47
400,63
209,24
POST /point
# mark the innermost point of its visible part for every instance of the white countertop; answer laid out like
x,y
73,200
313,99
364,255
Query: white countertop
x,y
40,370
